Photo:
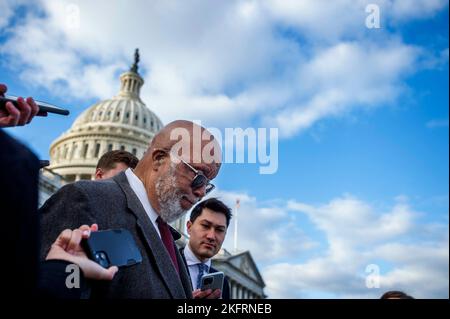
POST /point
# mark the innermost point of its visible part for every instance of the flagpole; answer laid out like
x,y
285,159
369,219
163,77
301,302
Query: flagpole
x,y
236,224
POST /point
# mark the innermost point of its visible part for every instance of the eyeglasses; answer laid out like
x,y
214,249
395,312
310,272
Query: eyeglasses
x,y
199,179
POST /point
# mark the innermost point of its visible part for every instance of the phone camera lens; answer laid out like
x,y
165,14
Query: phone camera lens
x,y
102,259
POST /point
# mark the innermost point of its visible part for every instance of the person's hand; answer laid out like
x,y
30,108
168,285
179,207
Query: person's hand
x,y
17,116
67,247
206,294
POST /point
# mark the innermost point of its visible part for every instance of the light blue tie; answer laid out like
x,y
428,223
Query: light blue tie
x,y
202,268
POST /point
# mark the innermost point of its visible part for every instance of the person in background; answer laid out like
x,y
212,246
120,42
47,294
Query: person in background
x,y
207,227
113,162
19,174
394,294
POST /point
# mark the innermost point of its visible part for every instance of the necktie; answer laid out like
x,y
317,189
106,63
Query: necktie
x,y
167,239
202,269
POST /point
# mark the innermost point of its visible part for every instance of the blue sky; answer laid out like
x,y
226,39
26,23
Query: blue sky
x,y
362,114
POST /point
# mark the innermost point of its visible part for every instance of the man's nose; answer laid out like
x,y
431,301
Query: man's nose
x,y
200,192
211,234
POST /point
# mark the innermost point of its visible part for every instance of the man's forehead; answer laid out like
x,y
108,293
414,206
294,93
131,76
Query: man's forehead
x,y
204,152
212,217
210,170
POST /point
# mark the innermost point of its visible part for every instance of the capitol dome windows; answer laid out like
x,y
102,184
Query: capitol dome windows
x,y
74,151
97,150
85,150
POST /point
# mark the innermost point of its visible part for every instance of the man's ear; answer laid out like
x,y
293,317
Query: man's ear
x,y
158,157
188,226
98,173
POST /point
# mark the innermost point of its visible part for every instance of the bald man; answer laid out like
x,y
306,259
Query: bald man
x,y
174,174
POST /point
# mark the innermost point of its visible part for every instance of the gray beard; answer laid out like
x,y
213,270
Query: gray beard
x,y
169,197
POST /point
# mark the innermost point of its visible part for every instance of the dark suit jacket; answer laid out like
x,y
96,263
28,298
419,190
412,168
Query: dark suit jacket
x,y
52,281
226,284
26,277
19,173
112,204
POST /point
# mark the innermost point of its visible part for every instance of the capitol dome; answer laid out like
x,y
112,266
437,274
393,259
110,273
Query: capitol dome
x,y
123,122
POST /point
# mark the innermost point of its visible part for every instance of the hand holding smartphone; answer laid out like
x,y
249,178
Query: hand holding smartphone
x,y
114,247
213,281
44,107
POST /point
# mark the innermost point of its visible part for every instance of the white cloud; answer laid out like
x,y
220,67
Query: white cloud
x,y
296,262
424,256
351,222
266,230
331,21
226,63
326,20
46,61
413,9
345,76
317,278
418,281
6,13
358,235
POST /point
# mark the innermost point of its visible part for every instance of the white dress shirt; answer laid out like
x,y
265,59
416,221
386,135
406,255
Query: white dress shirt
x,y
192,262
138,188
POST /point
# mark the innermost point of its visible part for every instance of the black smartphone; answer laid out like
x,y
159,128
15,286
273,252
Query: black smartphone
x,y
43,106
114,247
